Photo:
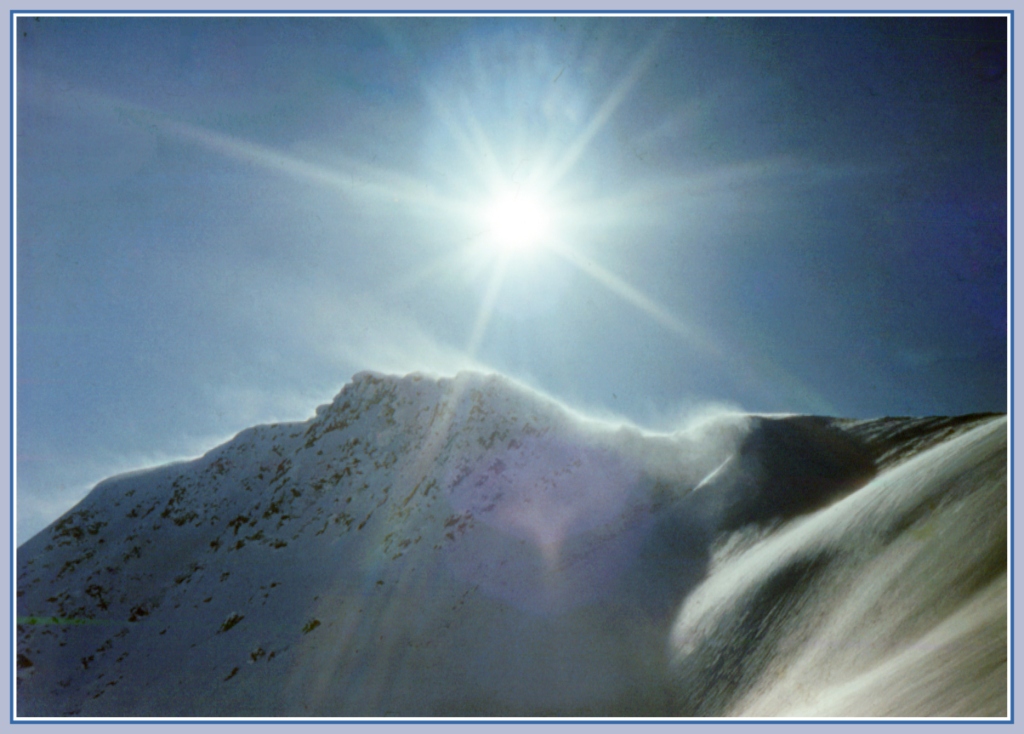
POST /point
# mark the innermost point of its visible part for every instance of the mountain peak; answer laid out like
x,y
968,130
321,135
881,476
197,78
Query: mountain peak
x,y
467,546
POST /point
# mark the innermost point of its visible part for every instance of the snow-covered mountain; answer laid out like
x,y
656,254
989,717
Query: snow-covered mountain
x,y
467,547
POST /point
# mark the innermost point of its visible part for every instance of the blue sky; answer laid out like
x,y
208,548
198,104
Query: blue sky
x,y
220,220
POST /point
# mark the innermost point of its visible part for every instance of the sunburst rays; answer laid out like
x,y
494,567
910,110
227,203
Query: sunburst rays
x,y
490,174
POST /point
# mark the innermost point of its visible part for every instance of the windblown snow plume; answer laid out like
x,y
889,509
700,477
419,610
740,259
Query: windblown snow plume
x,y
466,547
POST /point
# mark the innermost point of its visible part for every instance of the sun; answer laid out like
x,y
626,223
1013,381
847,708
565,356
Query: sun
x,y
517,222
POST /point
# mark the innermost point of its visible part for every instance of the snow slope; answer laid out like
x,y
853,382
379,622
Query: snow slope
x,y
467,547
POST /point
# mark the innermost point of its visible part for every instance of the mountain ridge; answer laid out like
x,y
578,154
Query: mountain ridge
x,y
433,547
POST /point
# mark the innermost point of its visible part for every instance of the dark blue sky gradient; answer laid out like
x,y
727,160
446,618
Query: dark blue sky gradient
x,y
221,220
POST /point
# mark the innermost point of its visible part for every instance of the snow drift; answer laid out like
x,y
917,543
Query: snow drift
x,y
466,547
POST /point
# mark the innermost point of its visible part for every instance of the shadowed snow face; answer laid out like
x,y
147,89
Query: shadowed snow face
x,y
547,524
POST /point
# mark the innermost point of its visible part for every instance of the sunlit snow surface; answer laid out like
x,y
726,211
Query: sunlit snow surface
x,y
466,547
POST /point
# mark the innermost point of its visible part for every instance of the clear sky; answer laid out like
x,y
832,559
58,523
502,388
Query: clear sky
x,y
220,220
